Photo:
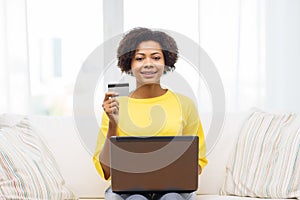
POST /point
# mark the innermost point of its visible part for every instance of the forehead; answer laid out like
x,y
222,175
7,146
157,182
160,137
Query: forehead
x,y
149,45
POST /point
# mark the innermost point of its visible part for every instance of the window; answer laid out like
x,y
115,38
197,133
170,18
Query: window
x,y
61,35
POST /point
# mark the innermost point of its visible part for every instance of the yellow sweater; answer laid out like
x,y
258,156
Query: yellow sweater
x,y
168,115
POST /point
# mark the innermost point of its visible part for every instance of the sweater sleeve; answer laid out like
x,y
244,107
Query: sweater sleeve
x,y
193,126
100,143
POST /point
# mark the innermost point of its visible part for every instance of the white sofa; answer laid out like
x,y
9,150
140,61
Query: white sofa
x,y
76,165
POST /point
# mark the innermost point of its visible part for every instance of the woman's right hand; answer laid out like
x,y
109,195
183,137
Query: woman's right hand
x,y
111,107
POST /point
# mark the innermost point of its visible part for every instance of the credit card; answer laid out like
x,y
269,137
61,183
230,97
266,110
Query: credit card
x,y
121,88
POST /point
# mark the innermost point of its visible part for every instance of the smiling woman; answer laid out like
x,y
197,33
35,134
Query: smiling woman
x,y
151,109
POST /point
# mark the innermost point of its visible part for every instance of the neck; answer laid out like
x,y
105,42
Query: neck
x,y
148,91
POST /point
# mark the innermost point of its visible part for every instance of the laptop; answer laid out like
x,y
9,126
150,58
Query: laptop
x,y
154,164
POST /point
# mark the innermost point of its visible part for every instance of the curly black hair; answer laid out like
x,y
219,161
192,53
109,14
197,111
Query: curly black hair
x,y
133,38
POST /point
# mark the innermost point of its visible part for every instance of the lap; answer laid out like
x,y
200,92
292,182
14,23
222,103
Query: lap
x,y
110,195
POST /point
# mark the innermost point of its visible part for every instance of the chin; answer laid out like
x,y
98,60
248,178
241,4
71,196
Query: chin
x,y
149,82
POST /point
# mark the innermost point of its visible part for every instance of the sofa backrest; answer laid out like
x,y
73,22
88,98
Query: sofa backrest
x,y
213,176
77,168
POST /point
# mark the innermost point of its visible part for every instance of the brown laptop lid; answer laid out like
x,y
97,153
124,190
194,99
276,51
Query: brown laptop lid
x,y
154,164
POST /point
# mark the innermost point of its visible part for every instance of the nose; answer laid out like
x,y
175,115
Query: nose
x,y
148,66
148,63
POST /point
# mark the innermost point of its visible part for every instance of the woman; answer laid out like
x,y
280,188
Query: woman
x,y
147,55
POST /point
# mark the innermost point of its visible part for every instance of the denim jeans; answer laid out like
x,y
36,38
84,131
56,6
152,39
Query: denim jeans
x,y
110,195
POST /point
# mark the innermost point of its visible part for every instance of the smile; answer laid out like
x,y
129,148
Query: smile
x,y
149,74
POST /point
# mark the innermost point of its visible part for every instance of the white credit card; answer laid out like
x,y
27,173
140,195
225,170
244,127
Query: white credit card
x,y
121,88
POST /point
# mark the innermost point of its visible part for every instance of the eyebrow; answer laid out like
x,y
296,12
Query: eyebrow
x,y
151,53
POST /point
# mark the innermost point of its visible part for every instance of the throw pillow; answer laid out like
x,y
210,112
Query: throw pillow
x,y
7,119
266,159
27,167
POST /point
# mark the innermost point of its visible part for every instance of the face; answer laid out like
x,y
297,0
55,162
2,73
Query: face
x,y
148,63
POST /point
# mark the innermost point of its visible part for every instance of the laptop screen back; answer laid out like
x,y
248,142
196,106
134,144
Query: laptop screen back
x,y
154,164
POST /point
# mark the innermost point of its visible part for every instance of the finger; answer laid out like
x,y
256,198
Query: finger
x,y
112,110
114,104
110,94
111,107
113,100
115,110
108,102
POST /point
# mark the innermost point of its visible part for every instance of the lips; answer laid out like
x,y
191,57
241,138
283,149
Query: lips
x,y
148,74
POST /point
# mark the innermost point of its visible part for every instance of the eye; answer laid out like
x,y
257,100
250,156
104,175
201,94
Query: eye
x,y
138,58
157,58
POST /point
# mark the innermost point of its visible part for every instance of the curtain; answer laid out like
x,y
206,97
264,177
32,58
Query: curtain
x,y
282,62
42,47
256,47
232,34
14,71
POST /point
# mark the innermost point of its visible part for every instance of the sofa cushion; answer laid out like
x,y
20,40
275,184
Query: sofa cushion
x,y
219,197
27,167
265,161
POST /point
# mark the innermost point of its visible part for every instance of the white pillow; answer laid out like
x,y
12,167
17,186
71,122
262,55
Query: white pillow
x,y
266,159
27,167
7,119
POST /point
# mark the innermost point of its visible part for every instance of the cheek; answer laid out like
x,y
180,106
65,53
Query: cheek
x,y
163,60
162,65
135,63
132,65
135,66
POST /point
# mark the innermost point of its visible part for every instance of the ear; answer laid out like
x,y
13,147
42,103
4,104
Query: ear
x,y
168,69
